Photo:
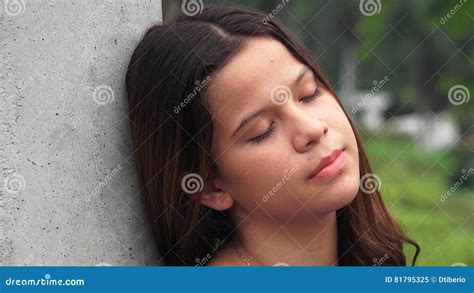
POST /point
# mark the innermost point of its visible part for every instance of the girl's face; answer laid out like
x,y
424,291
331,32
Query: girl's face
x,y
266,162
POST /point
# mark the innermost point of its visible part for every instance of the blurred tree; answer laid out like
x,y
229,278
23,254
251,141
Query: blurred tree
x,y
428,45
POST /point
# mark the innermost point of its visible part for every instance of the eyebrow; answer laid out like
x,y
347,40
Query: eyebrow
x,y
254,115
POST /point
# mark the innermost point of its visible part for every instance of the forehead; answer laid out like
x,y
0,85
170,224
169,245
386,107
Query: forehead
x,y
245,82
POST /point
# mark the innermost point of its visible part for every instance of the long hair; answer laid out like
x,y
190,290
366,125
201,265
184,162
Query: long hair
x,y
169,72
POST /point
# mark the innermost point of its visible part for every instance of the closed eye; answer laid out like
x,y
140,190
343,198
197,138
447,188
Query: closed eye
x,y
315,95
271,129
267,133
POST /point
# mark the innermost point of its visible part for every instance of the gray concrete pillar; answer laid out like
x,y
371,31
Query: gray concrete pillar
x,y
68,191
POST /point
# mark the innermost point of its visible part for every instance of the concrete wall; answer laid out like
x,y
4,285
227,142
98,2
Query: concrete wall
x,y
68,192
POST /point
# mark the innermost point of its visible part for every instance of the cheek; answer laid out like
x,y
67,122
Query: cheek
x,y
340,123
255,176
350,185
336,116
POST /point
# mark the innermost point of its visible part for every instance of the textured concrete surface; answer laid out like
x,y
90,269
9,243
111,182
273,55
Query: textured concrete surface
x,y
68,192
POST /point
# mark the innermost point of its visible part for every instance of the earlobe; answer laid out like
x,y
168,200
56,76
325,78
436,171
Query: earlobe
x,y
217,198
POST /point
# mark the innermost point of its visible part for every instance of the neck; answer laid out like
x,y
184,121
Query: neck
x,y
304,240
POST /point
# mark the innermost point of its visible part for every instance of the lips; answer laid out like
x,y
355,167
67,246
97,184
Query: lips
x,y
327,162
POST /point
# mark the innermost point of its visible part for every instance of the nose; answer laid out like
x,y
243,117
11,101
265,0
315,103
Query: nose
x,y
309,131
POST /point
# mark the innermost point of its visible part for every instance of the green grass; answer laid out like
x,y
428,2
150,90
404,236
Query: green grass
x,y
412,185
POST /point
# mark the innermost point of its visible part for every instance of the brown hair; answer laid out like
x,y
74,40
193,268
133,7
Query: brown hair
x,y
172,138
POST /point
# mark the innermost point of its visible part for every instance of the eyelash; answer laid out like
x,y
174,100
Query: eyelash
x,y
269,132
316,94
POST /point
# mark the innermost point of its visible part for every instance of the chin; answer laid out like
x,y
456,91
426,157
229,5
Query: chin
x,y
338,194
347,194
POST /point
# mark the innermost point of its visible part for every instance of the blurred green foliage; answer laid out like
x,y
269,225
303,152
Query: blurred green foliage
x,y
412,185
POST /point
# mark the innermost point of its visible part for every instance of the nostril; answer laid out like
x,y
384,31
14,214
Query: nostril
x,y
310,143
325,131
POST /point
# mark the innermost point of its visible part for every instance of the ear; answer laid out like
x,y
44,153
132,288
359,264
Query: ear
x,y
217,196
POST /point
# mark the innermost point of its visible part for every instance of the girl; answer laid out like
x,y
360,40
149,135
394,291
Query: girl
x,y
245,153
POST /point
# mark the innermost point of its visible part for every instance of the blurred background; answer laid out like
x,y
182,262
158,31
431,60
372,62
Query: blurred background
x,y
405,73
